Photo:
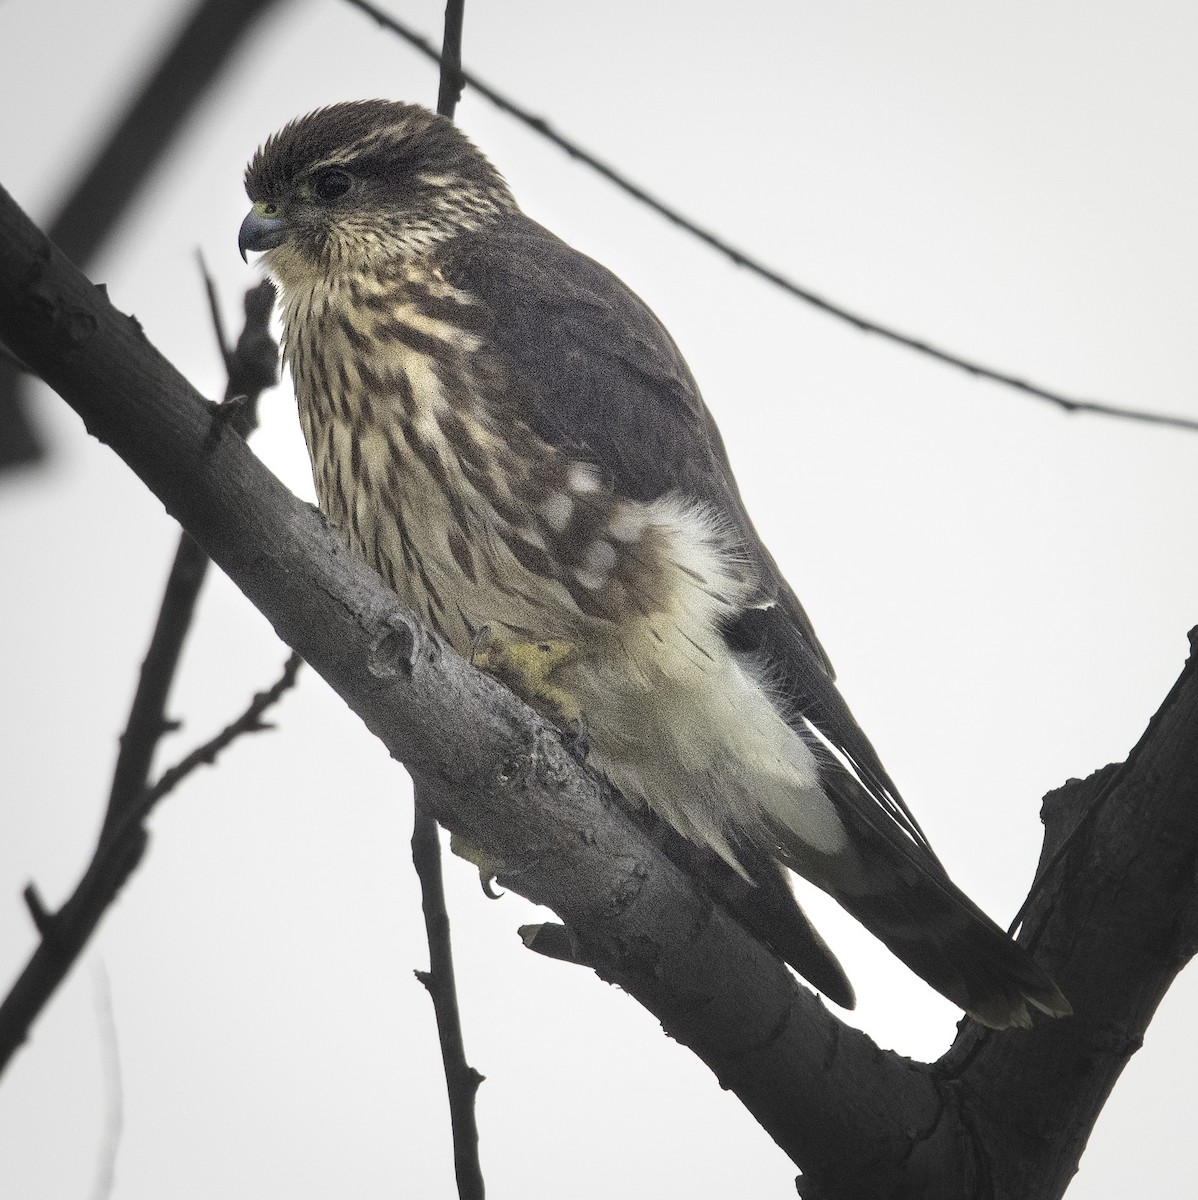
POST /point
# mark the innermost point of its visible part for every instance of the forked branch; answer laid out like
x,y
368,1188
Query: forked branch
x,y
1002,1115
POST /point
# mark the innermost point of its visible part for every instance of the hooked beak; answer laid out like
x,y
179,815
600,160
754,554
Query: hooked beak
x,y
261,232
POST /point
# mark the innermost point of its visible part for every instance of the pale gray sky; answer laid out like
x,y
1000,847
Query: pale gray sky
x,y
1005,591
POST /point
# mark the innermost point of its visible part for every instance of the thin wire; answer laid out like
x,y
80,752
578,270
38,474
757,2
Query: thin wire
x,y
542,127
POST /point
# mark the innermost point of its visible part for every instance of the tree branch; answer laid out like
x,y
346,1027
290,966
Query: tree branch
x,y
462,1081
1117,922
493,772
252,366
98,199
740,258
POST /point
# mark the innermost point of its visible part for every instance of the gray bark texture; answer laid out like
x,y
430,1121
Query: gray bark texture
x,y
1002,1116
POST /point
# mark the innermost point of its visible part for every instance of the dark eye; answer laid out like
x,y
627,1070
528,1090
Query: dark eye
x,y
331,184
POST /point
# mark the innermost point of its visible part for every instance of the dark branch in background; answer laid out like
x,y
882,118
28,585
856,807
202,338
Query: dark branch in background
x,y
449,88
206,754
461,1079
19,444
151,122
542,128
252,367
137,143
1002,1115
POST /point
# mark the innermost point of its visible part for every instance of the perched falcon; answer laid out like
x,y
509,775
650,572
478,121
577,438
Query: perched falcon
x,y
507,434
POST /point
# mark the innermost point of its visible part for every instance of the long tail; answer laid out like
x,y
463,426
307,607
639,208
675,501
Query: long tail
x,y
909,903
949,942
767,907
763,903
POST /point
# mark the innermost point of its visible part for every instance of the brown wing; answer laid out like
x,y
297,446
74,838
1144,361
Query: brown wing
x,y
607,383
604,381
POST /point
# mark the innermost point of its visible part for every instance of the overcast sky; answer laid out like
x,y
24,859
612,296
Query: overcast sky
x,y
1005,590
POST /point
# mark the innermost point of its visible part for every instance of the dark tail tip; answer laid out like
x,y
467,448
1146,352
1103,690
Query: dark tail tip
x,y
951,944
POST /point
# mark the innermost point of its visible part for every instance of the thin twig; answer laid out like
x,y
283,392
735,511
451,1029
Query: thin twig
x,y
214,311
118,852
250,721
449,89
742,259
147,716
461,1079
252,367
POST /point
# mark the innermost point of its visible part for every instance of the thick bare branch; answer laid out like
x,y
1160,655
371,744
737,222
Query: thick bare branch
x,y
496,773
859,1121
1118,922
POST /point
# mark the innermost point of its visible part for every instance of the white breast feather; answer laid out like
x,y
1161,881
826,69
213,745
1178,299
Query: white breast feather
x,y
680,721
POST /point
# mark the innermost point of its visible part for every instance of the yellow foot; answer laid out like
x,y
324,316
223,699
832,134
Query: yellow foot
x,y
527,667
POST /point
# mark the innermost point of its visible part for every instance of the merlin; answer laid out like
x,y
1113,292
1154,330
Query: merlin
x,y
511,439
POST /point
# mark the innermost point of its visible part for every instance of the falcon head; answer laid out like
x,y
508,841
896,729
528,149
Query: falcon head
x,y
369,180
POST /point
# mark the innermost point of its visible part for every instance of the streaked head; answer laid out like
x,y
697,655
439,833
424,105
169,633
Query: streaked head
x,y
366,178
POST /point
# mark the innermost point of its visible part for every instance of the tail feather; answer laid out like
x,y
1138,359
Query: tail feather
x,y
952,945
907,901
765,905
902,896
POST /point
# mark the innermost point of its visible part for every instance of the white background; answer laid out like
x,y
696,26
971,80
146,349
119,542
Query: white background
x,y
1005,590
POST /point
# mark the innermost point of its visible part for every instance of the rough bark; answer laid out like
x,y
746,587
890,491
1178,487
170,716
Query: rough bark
x,y
1001,1115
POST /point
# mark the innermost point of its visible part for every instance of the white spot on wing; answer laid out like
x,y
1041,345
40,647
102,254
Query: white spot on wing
x,y
628,522
582,479
557,510
601,556
591,580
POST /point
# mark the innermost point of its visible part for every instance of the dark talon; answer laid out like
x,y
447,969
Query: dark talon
x,y
576,737
224,415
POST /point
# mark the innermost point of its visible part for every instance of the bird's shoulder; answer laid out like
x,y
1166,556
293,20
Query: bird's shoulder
x,y
605,380
601,374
